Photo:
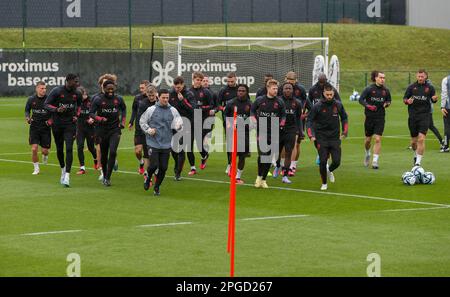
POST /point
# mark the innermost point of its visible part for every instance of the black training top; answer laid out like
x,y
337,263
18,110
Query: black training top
x,y
134,108
39,115
323,120
421,93
62,97
265,107
376,96
185,106
294,109
109,108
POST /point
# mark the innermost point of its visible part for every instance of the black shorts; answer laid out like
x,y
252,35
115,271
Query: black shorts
x,y
419,124
40,136
374,126
139,139
287,140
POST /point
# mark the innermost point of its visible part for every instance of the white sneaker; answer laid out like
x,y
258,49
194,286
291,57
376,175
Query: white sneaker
x,y
258,182
66,180
63,173
44,159
367,160
227,171
100,178
330,176
264,184
36,171
324,187
286,180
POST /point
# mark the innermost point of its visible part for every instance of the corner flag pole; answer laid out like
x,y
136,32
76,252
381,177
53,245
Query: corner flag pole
x,y
232,211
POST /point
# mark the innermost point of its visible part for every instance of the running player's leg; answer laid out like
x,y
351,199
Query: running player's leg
x,y
335,152
163,164
81,136
58,135
114,140
91,145
69,137
323,157
104,148
154,162
435,130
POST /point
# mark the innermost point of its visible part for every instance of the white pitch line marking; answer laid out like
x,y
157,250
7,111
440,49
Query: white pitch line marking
x,y
274,218
51,232
280,188
413,209
164,225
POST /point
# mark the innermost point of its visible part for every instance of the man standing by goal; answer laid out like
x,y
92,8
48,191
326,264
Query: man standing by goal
x,y
64,102
375,98
418,97
323,129
39,120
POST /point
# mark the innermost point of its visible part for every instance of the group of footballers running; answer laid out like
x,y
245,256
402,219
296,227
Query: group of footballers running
x,y
157,115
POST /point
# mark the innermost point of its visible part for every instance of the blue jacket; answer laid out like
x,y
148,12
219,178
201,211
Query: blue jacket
x,y
164,119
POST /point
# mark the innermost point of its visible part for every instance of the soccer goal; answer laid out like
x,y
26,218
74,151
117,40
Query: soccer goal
x,y
249,57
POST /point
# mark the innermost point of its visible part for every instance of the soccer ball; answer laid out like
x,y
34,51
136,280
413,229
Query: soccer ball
x,y
408,178
355,96
418,173
428,178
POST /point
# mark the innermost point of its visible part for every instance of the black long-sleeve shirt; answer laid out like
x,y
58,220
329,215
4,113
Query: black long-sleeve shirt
x,y
204,100
421,93
70,99
134,108
243,108
315,94
226,94
84,112
376,96
261,92
185,106
265,108
294,109
323,120
143,106
36,111
113,109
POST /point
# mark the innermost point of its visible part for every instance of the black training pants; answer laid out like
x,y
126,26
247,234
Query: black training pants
x,y
64,133
325,149
85,133
109,142
159,159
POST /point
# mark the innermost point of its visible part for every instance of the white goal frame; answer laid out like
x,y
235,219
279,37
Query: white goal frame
x,y
179,40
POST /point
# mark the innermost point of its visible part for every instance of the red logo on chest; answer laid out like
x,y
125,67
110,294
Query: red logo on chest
x,y
275,105
116,102
201,95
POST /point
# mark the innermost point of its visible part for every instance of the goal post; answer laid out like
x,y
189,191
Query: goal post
x,y
249,57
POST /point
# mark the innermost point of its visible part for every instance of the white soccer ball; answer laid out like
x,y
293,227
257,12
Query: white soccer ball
x,y
418,173
354,96
428,178
408,178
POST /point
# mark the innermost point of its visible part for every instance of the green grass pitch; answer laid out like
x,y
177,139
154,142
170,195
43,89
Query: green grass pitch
x,y
300,231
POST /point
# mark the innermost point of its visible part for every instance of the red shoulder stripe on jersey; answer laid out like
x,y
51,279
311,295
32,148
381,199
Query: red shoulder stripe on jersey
x,y
310,133
187,103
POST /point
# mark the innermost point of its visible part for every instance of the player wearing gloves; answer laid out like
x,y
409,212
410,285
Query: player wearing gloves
x,y
375,98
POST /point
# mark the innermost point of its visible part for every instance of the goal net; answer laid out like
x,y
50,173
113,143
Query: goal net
x,y
249,57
